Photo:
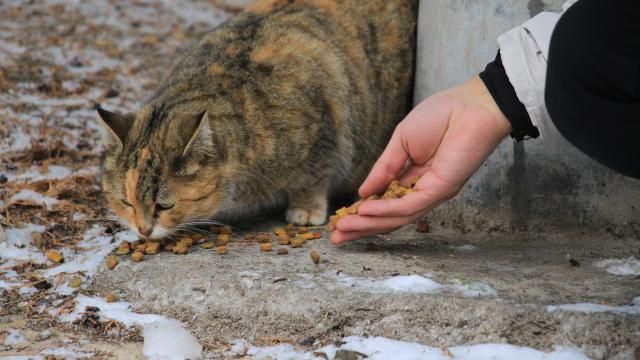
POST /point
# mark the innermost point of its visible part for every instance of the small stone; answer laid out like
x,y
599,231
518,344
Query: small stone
x,y
111,262
422,226
55,256
282,251
3,179
315,257
75,282
137,256
574,262
44,335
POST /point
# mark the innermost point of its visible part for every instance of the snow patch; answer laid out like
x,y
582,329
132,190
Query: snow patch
x,y
164,338
18,244
93,249
54,172
622,267
588,308
14,338
409,284
379,348
33,197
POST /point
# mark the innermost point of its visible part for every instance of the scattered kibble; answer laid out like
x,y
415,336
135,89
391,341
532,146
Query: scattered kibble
x,y
207,245
55,256
110,298
315,256
279,231
75,282
221,250
186,241
222,239
137,256
296,243
111,261
282,251
152,248
180,250
283,239
265,247
262,237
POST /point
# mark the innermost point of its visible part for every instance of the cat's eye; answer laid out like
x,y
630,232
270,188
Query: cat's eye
x,y
163,207
126,203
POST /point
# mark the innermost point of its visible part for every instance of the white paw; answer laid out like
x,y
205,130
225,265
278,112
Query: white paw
x,y
297,216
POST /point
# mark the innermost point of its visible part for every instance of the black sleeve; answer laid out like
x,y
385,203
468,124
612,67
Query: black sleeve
x,y
496,80
592,88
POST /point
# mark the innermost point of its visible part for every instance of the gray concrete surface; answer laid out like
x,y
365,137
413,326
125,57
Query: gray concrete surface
x,y
248,294
535,185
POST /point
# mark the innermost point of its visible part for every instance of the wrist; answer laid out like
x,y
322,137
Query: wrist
x,y
477,94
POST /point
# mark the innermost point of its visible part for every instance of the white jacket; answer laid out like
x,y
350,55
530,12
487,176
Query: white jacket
x,y
524,51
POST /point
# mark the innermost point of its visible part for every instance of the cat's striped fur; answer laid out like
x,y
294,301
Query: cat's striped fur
x,y
292,98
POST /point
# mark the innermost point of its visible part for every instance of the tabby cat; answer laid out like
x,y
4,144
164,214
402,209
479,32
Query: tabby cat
x,y
290,100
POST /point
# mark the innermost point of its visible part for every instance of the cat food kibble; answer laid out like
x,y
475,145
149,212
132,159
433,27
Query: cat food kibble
x,y
207,245
279,231
221,250
265,247
55,256
181,250
282,251
153,247
222,239
296,243
123,248
225,230
395,190
283,239
137,256
315,257
303,230
141,247
111,262
186,242
250,236
110,298
75,282
262,238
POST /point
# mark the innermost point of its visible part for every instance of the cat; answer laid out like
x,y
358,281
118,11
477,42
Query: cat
x,y
291,99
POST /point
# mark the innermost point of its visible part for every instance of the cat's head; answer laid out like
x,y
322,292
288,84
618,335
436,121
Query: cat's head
x,y
160,173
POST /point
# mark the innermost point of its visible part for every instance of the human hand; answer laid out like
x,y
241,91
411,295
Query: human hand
x,y
442,142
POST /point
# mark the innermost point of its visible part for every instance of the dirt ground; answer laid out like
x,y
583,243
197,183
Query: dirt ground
x,y
58,60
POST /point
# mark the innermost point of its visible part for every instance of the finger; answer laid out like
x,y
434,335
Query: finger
x,y
372,223
340,237
429,193
386,168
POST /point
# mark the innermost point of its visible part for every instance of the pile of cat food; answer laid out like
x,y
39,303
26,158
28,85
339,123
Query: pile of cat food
x,y
395,190
289,235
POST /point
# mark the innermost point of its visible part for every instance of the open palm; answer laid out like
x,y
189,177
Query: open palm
x,y
442,142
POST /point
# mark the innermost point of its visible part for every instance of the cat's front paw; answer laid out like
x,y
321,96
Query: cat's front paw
x,y
299,216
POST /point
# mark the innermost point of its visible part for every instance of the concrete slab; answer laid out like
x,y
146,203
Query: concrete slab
x,y
258,296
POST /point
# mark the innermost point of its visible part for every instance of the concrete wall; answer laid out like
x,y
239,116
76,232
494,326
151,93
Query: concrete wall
x,y
533,185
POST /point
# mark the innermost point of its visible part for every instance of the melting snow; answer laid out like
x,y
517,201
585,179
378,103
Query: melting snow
x,y
33,197
633,309
623,267
18,244
411,284
379,348
164,338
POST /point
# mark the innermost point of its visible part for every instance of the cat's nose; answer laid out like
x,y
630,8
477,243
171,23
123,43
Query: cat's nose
x,y
146,231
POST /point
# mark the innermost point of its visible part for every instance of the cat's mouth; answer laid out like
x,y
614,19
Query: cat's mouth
x,y
159,232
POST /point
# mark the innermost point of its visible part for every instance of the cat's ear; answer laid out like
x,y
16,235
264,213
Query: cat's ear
x,y
199,137
117,125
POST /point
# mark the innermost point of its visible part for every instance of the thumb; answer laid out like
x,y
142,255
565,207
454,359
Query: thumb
x,y
387,168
